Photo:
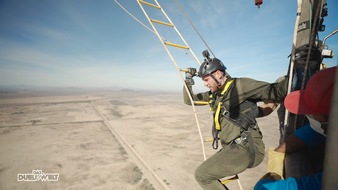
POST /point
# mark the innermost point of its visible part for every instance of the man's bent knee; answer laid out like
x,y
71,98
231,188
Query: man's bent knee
x,y
202,176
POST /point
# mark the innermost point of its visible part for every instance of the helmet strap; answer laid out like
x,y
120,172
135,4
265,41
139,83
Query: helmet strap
x,y
219,84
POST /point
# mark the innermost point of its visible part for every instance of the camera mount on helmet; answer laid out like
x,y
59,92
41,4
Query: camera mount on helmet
x,y
206,54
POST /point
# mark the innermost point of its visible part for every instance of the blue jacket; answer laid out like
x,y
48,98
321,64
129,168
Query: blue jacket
x,y
310,137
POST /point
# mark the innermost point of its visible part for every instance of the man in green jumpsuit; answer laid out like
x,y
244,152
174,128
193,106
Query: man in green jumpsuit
x,y
233,103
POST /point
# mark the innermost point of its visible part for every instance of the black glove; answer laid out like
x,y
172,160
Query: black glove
x,y
301,56
189,74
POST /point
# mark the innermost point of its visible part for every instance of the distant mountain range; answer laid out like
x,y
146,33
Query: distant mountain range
x,y
12,91
18,88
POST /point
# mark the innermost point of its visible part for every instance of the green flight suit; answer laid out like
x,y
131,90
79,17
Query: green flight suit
x,y
234,158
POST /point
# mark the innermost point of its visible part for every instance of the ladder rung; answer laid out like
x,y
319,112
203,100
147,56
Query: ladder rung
x,y
176,45
230,179
161,22
201,103
150,4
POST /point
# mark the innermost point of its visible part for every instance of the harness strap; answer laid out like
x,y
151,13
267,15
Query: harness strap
x,y
219,106
216,127
243,121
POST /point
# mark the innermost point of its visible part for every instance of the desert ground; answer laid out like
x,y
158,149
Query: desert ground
x,y
118,140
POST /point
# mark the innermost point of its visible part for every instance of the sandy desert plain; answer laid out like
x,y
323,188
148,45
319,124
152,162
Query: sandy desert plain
x,y
108,139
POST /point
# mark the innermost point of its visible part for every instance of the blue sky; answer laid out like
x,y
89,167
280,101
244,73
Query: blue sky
x,y
87,43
